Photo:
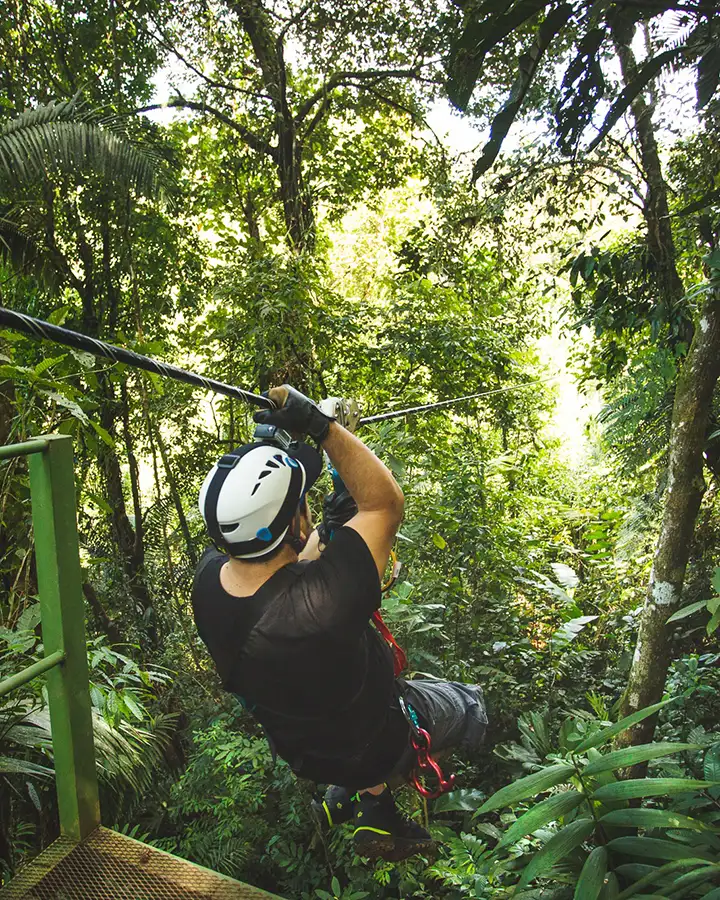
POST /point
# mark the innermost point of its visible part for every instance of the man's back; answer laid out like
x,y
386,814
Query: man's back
x,y
303,656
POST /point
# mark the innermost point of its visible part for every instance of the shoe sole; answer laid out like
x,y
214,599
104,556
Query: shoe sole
x,y
391,849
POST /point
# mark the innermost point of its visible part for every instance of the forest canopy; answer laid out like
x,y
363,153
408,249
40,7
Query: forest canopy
x,y
401,203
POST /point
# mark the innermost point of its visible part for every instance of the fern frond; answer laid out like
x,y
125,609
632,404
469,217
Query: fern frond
x,y
65,137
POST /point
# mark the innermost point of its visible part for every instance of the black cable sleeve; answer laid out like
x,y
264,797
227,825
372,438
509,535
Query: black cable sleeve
x,y
40,330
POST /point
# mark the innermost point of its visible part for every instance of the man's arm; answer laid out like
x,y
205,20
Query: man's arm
x,y
378,496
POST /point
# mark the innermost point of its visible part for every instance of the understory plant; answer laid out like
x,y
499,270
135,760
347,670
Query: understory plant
x,y
576,830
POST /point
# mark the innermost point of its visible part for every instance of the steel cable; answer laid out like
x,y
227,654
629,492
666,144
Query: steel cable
x,y
40,330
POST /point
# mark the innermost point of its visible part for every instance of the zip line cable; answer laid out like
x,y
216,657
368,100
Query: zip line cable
x,y
38,329
425,407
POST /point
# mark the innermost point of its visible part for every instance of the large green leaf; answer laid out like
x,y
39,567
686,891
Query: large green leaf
x,y
659,874
685,884
688,610
463,800
708,75
649,787
556,849
605,734
592,876
653,848
527,787
547,811
663,871
713,895
652,818
10,766
631,756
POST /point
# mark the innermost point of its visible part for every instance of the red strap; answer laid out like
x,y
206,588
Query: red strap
x,y
399,657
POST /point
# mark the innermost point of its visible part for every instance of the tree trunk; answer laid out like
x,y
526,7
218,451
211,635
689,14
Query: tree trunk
x,y
177,499
661,246
122,530
683,495
268,47
139,548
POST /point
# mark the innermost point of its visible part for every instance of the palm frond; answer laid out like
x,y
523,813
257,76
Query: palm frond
x,y
65,137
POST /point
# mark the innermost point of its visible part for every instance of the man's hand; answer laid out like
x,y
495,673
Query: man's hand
x,y
338,509
295,413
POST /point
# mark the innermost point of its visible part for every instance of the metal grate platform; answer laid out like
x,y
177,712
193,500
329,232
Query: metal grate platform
x,y
110,866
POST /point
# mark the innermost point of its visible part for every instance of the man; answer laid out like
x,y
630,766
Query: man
x,y
289,627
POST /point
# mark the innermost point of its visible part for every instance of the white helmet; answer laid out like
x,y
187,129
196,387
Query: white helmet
x,y
250,496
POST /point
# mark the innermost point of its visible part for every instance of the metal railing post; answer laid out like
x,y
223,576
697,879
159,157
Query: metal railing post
x,y
52,487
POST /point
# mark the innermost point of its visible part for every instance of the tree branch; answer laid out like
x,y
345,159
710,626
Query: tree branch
x,y
164,41
249,137
341,79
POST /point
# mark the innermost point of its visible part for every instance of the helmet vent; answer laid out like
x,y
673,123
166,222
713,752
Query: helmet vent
x,y
273,465
279,459
226,529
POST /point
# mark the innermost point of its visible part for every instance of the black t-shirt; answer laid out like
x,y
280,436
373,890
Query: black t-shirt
x,y
306,661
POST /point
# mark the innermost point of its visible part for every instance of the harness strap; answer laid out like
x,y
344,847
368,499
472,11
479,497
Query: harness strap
x,y
399,655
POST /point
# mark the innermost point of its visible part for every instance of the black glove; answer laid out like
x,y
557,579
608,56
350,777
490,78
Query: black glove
x,y
338,509
296,413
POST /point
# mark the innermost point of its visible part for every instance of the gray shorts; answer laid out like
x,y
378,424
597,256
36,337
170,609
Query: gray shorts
x,y
451,712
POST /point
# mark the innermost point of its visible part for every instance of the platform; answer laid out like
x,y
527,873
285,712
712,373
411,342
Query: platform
x,y
111,866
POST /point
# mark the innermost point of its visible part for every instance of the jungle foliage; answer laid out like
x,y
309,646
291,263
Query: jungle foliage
x,y
253,190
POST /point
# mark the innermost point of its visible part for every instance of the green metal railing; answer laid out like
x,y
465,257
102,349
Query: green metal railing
x,y
52,489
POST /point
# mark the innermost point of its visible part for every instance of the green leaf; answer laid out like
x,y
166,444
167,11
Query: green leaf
x,y
611,889
711,765
102,433
645,74
527,787
649,787
659,874
548,810
715,580
682,886
708,75
528,63
713,895
712,625
71,405
687,611
463,800
604,735
652,818
10,766
439,541
592,876
651,848
556,849
631,756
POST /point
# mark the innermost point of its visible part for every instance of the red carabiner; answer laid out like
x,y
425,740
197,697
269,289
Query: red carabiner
x,y
426,764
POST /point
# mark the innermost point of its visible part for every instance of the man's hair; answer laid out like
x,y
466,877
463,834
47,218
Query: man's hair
x,y
302,510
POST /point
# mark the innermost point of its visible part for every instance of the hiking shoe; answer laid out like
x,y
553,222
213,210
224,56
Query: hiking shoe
x,y
382,830
335,807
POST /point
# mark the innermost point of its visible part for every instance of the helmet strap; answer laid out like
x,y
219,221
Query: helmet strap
x,y
294,536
